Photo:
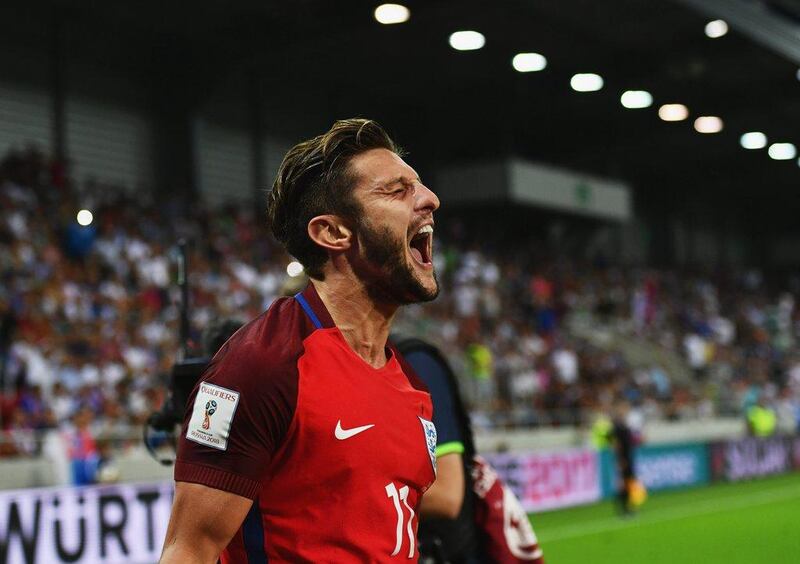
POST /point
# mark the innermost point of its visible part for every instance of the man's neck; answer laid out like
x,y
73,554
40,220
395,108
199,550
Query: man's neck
x,y
364,323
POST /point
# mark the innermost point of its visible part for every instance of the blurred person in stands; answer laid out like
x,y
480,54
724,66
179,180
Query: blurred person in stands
x,y
787,411
62,403
305,419
601,427
479,361
82,449
761,418
8,323
31,403
107,470
19,438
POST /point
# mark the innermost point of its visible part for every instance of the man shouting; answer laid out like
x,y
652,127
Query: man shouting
x,y
320,442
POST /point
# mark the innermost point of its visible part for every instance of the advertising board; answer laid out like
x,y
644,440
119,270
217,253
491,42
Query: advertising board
x,y
661,467
549,480
751,458
117,524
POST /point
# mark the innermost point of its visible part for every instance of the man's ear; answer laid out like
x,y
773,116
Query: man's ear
x,y
330,232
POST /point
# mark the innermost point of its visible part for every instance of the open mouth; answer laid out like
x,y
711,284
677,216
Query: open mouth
x,y
421,245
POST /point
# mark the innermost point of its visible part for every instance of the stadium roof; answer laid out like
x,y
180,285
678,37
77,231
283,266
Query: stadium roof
x,y
319,59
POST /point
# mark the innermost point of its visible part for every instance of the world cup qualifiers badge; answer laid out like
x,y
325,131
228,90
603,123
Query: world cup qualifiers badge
x,y
212,415
211,408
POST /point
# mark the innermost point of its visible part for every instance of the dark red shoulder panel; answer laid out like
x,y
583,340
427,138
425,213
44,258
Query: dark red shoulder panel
x,y
259,364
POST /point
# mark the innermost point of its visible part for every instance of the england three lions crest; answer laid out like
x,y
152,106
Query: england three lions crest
x,y
430,439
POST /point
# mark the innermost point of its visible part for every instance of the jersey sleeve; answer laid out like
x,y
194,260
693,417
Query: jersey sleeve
x,y
236,419
433,374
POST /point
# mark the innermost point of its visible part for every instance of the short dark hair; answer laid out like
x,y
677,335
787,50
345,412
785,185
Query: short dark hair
x,y
315,178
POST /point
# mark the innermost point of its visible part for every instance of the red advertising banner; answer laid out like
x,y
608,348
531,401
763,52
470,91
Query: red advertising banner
x,y
549,480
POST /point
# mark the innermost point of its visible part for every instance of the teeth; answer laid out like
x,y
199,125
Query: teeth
x,y
425,229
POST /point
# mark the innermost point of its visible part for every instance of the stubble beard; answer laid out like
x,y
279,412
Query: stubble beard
x,y
391,279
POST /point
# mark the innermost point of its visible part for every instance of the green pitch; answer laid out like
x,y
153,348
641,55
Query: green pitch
x,y
747,522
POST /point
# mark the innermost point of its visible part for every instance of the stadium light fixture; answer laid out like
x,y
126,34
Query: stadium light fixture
x,y
753,140
85,218
586,82
529,62
716,28
782,151
708,124
294,269
636,99
467,40
388,14
673,112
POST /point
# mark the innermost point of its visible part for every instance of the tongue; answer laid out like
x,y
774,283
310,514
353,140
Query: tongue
x,y
417,255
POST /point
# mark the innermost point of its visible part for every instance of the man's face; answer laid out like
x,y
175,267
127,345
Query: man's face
x,y
394,234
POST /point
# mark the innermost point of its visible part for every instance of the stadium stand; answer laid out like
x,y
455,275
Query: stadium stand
x,y
90,323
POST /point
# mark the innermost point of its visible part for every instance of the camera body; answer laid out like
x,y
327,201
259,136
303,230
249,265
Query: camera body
x,y
185,375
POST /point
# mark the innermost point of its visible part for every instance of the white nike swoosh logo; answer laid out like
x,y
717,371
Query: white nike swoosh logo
x,y
343,434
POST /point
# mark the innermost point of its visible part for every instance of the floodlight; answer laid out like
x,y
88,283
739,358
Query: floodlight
x,y
716,28
782,151
392,14
636,99
529,62
753,140
467,40
586,82
85,217
708,124
673,112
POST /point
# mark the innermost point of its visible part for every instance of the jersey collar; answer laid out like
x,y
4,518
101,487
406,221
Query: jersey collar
x,y
317,308
312,304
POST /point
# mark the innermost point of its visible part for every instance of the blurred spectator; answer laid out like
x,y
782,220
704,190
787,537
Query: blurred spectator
x,y
479,363
787,412
107,470
761,418
83,454
19,439
697,354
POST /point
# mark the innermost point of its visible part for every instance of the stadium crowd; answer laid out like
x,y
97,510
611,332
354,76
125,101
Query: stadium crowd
x,y
89,317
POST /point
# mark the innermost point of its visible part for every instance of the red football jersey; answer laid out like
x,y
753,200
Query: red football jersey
x,y
335,453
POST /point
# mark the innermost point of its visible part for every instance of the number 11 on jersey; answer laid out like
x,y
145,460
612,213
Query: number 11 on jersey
x,y
397,496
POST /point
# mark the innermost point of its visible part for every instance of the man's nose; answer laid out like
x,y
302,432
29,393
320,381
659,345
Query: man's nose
x,y
426,199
